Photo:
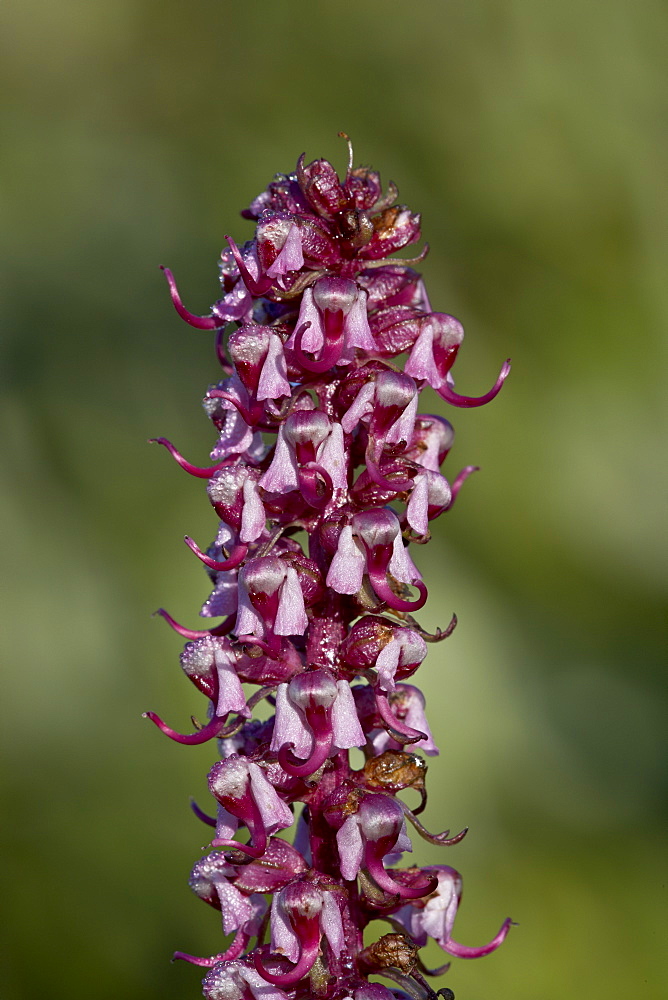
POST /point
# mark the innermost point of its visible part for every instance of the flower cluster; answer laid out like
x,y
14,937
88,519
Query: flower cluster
x,y
322,474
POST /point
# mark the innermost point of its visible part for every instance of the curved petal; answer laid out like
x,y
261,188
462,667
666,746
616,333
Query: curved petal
x,y
284,941
282,475
332,457
447,393
462,951
253,516
331,923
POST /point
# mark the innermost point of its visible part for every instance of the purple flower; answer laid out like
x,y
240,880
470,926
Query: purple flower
x,y
242,913
390,649
316,718
259,361
332,322
310,457
324,479
372,544
215,658
435,917
246,796
404,712
270,599
434,354
301,914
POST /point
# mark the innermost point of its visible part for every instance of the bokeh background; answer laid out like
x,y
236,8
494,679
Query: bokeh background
x,y
529,135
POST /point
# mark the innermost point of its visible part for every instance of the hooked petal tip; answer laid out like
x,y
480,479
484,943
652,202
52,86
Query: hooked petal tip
x,y
237,556
195,633
199,322
383,878
206,963
203,735
450,396
393,601
194,470
463,951
300,768
309,953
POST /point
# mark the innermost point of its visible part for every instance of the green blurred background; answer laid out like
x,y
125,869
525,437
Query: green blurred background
x,y
528,134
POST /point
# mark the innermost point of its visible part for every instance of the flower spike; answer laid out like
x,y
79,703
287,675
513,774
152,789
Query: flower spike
x,y
324,481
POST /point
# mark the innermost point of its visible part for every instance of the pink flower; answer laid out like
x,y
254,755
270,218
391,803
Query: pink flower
x,y
315,718
372,544
246,796
301,914
270,599
435,917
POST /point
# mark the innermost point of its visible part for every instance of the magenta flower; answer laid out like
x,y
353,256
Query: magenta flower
x,y
246,796
316,718
435,917
323,472
301,916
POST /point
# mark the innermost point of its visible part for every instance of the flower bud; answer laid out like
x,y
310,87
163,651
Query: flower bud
x,y
395,329
301,901
393,286
335,294
394,228
343,802
380,819
363,644
321,186
391,649
377,528
305,430
313,689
